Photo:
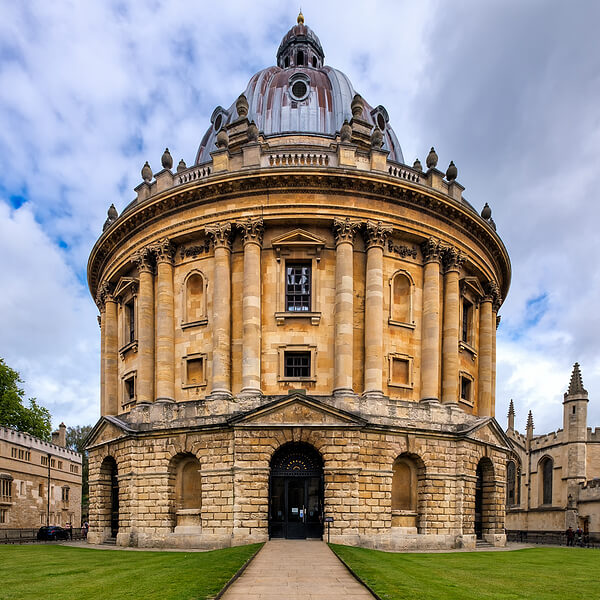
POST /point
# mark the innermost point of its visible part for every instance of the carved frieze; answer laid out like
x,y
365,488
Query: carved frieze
x,y
194,250
401,250
344,230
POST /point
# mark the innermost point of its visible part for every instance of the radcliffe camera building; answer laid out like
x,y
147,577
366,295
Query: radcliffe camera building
x,y
297,327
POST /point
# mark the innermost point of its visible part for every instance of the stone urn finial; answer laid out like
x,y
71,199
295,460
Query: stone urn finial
x,y
146,172
346,132
451,171
112,212
166,159
241,105
222,139
376,138
432,159
357,106
181,166
417,166
486,212
252,132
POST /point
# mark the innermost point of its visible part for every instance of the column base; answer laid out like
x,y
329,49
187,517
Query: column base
x,y
373,395
250,393
345,393
165,400
220,395
430,401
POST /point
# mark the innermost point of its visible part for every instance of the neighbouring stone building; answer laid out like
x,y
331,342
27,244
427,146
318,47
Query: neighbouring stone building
x,y
298,327
553,480
28,468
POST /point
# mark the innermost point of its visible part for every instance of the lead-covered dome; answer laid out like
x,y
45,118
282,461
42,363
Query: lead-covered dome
x,y
300,96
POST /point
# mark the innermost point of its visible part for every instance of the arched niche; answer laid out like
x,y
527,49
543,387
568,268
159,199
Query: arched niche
x,y
186,493
408,476
194,299
402,288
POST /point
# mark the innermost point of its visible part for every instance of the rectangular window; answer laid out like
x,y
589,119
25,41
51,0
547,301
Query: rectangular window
x,y
130,321
74,469
195,371
45,461
65,494
53,463
14,453
465,389
400,372
467,320
3,515
296,365
6,490
41,490
130,389
60,465
297,287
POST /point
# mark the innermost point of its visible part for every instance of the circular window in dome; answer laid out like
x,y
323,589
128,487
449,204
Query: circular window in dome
x,y
299,88
380,121
218,122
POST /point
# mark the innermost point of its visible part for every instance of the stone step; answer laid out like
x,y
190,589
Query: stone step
x,y
110,542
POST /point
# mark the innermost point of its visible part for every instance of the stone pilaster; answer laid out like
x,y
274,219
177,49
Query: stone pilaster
x,y
450,378
485,356
252,233
430,353
164,251
145,377
221,236
344,231
375,238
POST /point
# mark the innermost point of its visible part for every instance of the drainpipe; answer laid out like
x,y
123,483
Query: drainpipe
x,y
48,508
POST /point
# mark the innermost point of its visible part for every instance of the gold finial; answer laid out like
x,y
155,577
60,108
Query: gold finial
x,y
300,18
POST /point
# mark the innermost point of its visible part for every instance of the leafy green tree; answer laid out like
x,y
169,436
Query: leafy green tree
x,y
33,419
76,437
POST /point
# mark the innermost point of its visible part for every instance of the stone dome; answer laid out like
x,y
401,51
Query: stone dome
x,y
300,96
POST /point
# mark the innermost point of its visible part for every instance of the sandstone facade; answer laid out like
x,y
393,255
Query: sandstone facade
x,y
298,302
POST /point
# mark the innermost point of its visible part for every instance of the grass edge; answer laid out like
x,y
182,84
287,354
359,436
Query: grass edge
x,y
237,574
355,575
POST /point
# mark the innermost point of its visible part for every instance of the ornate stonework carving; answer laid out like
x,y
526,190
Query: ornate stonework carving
x,y
195,250
344,230
252,230
431,250
220,234
492,291
164,250
105,292
401,250
452,258
143,260
376,234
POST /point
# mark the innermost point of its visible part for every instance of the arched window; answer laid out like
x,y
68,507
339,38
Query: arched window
x,y
314,61
300,58
401,298
195,299
545,470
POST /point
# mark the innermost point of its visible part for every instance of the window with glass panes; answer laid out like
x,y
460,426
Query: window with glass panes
x,y
297,290
297,364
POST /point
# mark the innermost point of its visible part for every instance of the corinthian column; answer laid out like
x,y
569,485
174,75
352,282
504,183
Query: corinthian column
x,y
375,237
145,378
430,349
102,322
110,352
252,233
452,263
220,235
164,251
344,230
487,341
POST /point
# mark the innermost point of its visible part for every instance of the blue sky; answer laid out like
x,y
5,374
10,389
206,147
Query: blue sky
x,y
507,90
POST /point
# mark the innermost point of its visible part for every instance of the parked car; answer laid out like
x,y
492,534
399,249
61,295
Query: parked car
x,y
54,532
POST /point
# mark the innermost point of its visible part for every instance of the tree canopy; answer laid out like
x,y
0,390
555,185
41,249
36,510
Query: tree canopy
x,y
33,419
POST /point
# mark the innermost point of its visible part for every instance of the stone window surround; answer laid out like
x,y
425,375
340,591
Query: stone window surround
x,y
405,357
128,376
470,290
125,292
184,361
411,323
465,375
282,349
185,322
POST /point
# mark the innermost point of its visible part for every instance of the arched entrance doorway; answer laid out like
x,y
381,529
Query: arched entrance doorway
x,y
296,493
109,507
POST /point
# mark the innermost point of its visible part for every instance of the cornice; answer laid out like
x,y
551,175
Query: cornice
x,y
331,180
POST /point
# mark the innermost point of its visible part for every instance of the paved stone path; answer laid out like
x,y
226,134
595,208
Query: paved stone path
x,y
296,570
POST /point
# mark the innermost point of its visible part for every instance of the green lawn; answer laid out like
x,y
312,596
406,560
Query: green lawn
x,y
51,572
537,573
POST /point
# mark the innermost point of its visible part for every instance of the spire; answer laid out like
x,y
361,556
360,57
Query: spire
x,y
576,383
530,422
511,415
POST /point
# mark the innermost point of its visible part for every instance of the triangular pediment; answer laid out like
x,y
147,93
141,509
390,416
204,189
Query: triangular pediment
x,y
297,410
487,430
124,284
106,430
297,237
472,284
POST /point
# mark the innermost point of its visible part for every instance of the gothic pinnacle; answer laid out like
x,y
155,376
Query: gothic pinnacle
x,y
530,421
576,383
511,409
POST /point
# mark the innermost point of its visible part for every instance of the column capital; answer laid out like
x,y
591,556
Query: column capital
x,y
252,230
221,235
492,292
164,251
104,294
498,319
143,260
431,250
344,230
376,234
452,259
